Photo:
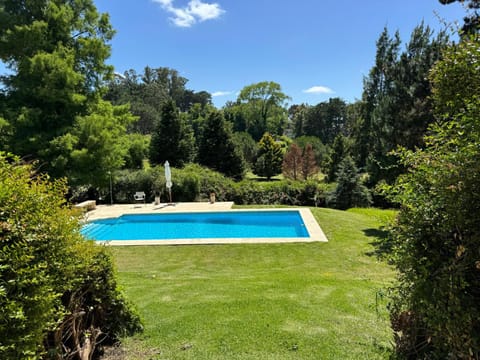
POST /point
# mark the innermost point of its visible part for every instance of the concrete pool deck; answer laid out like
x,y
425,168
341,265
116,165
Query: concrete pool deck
x,y
112,211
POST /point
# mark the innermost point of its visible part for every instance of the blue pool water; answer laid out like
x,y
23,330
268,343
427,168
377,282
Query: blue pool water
x,y
211,225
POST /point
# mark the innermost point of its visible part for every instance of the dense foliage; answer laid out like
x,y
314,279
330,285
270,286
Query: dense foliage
x,y
397,107
172,138
259,108
217,149
269,157
146,93
56,106
436,237
56,51
195,183
325,120
58,295
292,163
350,192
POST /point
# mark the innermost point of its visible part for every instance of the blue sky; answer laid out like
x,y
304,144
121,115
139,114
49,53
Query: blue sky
x,y
315,49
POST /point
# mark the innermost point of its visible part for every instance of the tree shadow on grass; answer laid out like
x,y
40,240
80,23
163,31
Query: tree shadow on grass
x,y
382,242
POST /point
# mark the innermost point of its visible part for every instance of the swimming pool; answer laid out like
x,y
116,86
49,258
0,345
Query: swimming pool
x,y
167,227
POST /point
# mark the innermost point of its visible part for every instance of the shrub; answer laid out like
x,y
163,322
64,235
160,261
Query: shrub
x,y
58,294
191,183
127,182
435,307
186,184
195,183
286,192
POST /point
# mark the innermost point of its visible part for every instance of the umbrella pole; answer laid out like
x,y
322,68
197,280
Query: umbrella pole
x,y
170,194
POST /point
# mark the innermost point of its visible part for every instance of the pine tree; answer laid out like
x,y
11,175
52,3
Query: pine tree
x,y
397,106
51,107
350,191
56,51
217,149
172,138
340,151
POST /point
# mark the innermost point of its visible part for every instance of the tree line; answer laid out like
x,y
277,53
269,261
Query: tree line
x,y
80,119
413,133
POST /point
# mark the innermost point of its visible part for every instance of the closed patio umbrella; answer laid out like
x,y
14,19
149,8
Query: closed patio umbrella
x,y
168,179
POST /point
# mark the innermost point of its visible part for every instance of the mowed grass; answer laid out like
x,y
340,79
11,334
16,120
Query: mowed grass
x,y
263,301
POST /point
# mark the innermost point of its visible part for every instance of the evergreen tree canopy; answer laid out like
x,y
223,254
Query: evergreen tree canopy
x,y
436,236
269,158
217,149
325,120
51,106
56,51
350,192
397,107
247,146
172,138
340,150
147,92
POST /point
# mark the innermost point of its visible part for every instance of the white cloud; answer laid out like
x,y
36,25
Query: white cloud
x,y
195,11
221,93
204,11
319,90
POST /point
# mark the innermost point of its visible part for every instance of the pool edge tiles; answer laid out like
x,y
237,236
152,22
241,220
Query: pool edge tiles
x,y
313,228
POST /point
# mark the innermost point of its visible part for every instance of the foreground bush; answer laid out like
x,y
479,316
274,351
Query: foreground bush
x,y
58,294
436,238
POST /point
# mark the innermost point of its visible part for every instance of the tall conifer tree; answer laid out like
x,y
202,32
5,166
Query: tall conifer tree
x,y
217,149
172,138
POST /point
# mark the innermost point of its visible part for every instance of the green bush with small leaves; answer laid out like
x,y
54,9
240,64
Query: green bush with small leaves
x,y
58,293
435,306
195,183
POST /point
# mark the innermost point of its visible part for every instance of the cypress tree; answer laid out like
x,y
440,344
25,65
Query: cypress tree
x,y
172,138
217,149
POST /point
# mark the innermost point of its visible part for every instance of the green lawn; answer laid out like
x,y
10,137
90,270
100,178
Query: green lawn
x,y
277,301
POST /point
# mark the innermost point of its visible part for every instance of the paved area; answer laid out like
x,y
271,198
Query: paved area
x,y
109,211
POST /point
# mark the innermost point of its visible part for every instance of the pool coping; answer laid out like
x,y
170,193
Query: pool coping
x,y
102,212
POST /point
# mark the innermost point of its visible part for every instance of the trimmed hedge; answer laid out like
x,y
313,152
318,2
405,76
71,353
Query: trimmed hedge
x,y
195,183
284,192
